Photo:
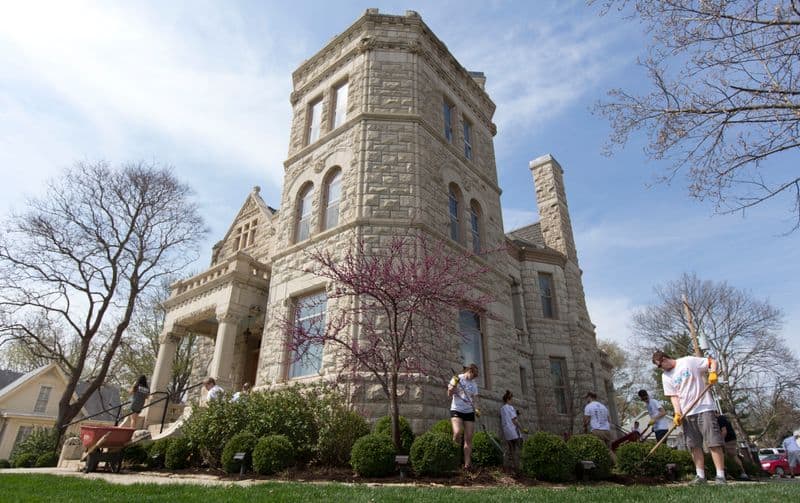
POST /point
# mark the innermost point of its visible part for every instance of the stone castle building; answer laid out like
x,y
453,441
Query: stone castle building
x,y
388,129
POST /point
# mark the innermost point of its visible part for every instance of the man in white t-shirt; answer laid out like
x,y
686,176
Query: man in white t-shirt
x,y
213,391
658,416
684,382
595,419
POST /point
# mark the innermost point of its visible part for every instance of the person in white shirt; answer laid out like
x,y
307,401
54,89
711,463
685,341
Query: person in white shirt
x,y
595,420
213,391
511,429
658,416
463,389
792,451
684,382
243,393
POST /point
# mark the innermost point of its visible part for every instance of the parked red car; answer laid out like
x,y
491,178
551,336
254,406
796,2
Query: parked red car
x,y
775,464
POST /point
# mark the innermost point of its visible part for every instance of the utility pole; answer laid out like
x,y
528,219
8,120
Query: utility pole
x,y
692,330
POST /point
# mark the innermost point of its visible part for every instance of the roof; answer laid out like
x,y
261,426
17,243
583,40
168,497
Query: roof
x,y
531,234
7,377
20,380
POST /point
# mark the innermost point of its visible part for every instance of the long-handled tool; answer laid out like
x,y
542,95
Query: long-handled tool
x,y
477,414
685,412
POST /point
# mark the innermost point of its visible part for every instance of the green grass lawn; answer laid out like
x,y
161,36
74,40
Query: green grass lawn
x,y
51,488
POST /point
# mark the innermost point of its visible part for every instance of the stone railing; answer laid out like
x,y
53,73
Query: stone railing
x,y
240,263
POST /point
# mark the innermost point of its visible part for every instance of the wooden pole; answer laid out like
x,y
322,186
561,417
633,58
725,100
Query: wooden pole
x,y
692,331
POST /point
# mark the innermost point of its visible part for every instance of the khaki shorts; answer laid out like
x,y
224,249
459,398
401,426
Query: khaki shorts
x,y
604,435
703,426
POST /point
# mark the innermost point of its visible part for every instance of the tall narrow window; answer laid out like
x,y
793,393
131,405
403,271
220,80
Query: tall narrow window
x,y
310,319
475,226
469,326
448,120
340,105
332,195
454,205
523,380
42,399
516,303
558,374
546,293
304,214
314,121
467,139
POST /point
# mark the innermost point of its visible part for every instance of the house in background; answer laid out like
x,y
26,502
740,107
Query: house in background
x,y
29,401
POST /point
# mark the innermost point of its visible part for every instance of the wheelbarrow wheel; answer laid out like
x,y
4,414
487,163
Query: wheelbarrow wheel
x,y
91,462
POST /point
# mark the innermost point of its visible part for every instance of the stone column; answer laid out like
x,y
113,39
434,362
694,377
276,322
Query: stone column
x,y
221,367
162,373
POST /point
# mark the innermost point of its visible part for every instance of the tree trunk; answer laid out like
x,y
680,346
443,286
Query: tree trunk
x,y
395,412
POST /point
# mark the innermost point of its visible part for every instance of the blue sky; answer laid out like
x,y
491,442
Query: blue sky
x,y
205,86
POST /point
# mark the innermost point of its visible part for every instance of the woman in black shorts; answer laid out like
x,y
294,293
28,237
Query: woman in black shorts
x,y
463,389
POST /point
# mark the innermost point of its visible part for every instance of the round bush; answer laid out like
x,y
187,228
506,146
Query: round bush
x,y
484,452
273,454
289,412
25,460
373,455
135,455
384,426
209,428
4,463
434,453
631,459
241,442
337,436
443,426
46,460
591,448
157,452
546,456
179,454
683,460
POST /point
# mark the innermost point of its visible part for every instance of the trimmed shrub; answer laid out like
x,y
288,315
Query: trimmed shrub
x,y
272,454
25,460
443,426
484,452
591,448
40,441
179,453
4,463
135,455
241,442
546,456
683,460
210,427
434,453
373,455
631,459
290,412
157,453
384,426
46,460
337,434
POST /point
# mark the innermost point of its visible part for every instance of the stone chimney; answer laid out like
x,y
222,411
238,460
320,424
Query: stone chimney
x,y
551,200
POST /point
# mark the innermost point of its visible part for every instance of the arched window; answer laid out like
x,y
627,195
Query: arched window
x,y
455,212
303,228
333,192
475,225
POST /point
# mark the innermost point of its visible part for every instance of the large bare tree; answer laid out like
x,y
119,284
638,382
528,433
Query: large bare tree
x,y
742,333
724,99
74,265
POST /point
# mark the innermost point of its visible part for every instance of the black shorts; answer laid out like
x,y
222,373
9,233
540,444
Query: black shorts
x,y
464,416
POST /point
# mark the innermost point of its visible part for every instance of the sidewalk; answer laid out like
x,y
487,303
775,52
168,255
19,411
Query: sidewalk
x,y
127,478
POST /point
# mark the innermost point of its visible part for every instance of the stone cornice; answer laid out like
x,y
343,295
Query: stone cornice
x,y
534,253
240,269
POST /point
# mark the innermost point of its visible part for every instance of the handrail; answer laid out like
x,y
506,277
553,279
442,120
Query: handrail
x,y
118,407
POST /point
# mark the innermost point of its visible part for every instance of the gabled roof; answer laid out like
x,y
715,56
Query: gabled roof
x,y
20,380
531,234
7,377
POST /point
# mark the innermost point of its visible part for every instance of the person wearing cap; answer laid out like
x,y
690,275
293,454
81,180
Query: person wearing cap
x,y
792,451
655,410
595,420
684,381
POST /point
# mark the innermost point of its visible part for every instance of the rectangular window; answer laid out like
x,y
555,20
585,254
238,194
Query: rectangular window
x,y
467,139
469,326
310,317
474,224
22,433
340,105
454,224
314,121
546,293
558,374
41,401
516,302
448,120
523,380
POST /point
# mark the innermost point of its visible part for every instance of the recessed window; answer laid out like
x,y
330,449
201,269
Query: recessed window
x,y
523,380
340,105
454,205
467,139
314,121
333,193
448,109
558,375
475,226
546,294
310,320
304,202
469,325
245,235
516,302
42,399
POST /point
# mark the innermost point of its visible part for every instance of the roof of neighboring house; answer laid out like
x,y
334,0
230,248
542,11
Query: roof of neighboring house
x,y
105,397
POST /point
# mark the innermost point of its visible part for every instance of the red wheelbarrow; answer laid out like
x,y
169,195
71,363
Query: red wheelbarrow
x,y
104,443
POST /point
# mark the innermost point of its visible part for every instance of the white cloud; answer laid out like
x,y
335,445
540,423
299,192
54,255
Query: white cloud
x,y
514,218
612,316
